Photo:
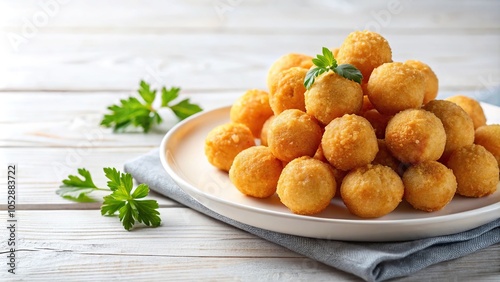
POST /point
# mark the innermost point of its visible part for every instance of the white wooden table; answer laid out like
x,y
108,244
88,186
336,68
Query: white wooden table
x,y
63,62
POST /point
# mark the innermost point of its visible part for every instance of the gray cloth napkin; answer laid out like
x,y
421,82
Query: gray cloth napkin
x,y
370,261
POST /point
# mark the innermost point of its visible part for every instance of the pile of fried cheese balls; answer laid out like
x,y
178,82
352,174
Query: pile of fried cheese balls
x,y
373,143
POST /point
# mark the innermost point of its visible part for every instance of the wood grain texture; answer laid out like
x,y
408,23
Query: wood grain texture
x,y
186,246
96,62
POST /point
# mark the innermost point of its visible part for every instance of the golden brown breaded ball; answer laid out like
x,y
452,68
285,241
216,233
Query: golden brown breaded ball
x,y
319,155
293,134
366,50
287,90
255,172
306,186
265,130
429,186
332,96
471,107
349,142
378,121
457,124
252,109
431,80
335,52
225,141
415,136
476,171
285,62
384,157
394,87
367,105
371,191
488,136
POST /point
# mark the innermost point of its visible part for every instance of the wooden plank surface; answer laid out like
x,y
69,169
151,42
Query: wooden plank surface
x,y
187,245
63,62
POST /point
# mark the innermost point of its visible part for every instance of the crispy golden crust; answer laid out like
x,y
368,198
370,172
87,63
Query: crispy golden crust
x,y
265,130
378,121
472,108
488,136
224,142
287,91
367,105
394,87
371,191
252,109
349,142
285,62
332,96
429,186
476,171
365,50
457,124
384,157
431,80
306,186
415,136
255,172
293,134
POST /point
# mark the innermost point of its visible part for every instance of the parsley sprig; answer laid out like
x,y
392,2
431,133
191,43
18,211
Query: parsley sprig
x,y
327,62
141,113
123,199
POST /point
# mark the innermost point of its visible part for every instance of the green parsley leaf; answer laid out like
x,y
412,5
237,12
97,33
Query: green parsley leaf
x,y
326,62
77,189
133,112
146,93
126,202
184,109
76,194
76,181
114,177
123,198
350,72
169,95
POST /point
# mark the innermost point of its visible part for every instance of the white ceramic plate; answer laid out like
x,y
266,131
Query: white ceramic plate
x,y
182,155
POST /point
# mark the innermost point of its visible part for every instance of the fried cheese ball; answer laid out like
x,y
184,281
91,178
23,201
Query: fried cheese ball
x,y
415,136
378,121
335,52
431,80
366,50
306,186
384,157
394,87
367,105
255,172
332,96
429,186
252,109
293,134
471,107
265,130
285,62
371,191
287,91
457,124
488,136
476,171
225,141
349,142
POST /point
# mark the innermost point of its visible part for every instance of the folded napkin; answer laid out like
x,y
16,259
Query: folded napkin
x,y
370,261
